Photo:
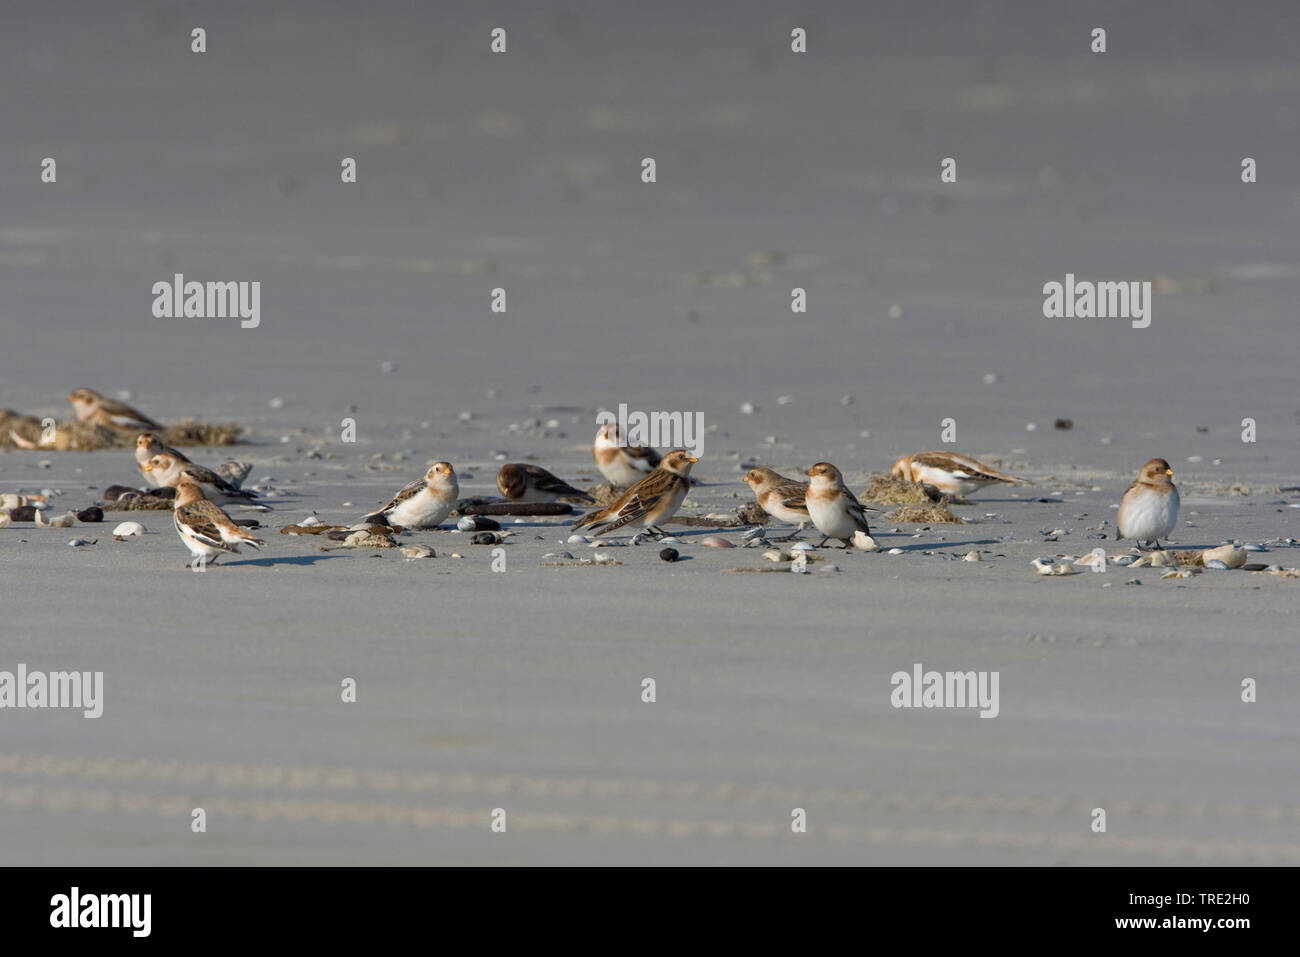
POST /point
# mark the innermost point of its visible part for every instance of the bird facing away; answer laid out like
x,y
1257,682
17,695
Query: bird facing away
x,y
518,482
654,499
1148,509
949,472
833,508
622,465
90,406
425,503
205,529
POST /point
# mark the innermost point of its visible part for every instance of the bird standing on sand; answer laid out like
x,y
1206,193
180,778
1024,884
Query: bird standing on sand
x,y
782,498
1148,510
654,499
205,529
171,471
833,508
147,445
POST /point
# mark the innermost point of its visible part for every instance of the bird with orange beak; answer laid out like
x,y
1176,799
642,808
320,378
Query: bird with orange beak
x,y
833,508
648,503
1149,509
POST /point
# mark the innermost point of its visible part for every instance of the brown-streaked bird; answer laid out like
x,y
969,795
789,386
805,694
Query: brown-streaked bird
x,y
1148,510
90,406
205,529
949,472
782,498
653,500
518,482
171,471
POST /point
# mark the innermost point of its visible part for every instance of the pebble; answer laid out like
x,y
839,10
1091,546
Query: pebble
x,y
477,523
777,555
669,554
715,541
971,557
829,568
485,538
79,542
128,530
895,551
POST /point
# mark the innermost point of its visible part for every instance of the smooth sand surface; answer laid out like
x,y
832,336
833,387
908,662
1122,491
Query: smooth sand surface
x,y
522,690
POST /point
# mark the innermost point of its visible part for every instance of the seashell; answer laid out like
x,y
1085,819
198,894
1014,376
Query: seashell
x,y
603,558
577,540
895,551
1217,565
310,521
864,542
801,547
418,551
66,520
670,540
777,555
1254,548
800,564
1232,556
669,554
1122,560
754,533
485,538
1179,573
829,568
80,542
557,556
971,557
477,523
715,541
127,530
1162,560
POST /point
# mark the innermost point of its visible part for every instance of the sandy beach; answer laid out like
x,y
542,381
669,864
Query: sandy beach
x,y
522,690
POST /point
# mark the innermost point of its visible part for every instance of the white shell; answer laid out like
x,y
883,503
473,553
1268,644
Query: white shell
x,y
128,530
1232,556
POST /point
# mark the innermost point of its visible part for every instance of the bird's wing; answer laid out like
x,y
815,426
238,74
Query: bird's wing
x,y
197,521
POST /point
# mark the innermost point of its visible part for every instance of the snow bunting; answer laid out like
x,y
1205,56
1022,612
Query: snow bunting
x,y
622,465
949,472
780,497
650,501
90,406
204,528
170,470
1149,509
530,483
832,507
147,445
425,503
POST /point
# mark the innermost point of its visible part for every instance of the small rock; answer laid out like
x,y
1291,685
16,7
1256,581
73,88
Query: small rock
x,y
557,556
485,538
669,555
777,555
800,564
477,523
92,514
418,551
79,542
1063,424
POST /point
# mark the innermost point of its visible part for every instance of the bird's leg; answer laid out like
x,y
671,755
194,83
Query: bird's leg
x,y
825,539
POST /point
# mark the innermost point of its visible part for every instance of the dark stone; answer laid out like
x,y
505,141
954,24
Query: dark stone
x,y
669,554
92,514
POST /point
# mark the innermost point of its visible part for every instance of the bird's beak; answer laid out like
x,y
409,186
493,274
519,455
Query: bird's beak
x,y
148,468
692,460
1169,471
